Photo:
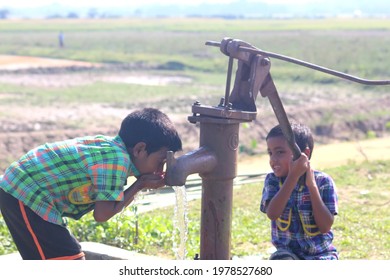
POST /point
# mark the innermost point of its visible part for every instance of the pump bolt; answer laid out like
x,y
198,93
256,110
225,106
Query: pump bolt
x,y
265,61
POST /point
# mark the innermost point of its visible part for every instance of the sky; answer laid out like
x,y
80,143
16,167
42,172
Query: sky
x,y
112,3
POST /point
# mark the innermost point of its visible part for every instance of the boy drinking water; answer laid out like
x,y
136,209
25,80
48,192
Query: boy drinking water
x,y
73,177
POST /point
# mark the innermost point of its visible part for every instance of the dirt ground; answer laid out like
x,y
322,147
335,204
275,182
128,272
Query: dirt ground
x,y
22,129
9,62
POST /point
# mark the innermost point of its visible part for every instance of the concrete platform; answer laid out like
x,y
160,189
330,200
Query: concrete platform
x,y
97,251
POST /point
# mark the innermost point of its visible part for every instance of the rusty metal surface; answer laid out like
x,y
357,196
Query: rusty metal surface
x,y
269,90
198,161
253,75
222,113
217,190
216,163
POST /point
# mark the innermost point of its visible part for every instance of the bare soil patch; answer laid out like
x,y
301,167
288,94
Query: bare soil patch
x,y
10,62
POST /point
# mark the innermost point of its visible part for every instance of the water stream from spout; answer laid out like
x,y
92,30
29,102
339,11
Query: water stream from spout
x,y
180,223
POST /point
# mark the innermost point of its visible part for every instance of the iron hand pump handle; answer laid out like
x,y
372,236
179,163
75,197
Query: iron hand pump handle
x,y
268,89
308,65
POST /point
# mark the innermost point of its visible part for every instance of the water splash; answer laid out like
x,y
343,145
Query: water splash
x,y
180,223
134,209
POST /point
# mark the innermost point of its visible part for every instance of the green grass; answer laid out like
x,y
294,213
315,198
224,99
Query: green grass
x,y
359,46
192,24
362,227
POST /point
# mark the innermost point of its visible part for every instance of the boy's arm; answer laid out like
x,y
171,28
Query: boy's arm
x,y
105,210
277,204
324,219
279,201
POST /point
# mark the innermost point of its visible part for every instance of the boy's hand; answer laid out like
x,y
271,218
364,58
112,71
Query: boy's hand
x,y
151,181
300,166
310,180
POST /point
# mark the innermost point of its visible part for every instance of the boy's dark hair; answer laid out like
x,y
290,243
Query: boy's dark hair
x,y
152,127
302,134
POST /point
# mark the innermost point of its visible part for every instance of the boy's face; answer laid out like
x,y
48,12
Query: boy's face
x,y
151,163
280,155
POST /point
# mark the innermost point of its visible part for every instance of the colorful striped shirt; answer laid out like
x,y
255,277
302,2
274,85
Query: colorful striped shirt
x,y
295,230
64,179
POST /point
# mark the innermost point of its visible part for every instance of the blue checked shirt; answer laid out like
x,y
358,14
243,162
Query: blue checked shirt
x,y
295,230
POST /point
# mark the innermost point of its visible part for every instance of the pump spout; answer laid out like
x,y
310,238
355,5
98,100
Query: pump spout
x,y
202,160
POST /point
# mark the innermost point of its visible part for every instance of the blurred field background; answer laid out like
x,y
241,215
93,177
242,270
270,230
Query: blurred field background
x,y
356,46
164,63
